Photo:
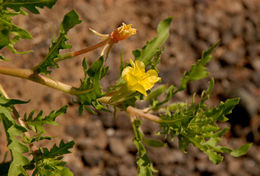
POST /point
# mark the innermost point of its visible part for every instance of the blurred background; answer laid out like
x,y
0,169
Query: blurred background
x,y
104,145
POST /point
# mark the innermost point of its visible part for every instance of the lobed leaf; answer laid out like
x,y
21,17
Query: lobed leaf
x,y
241,150
145,166
197,124
70,20
31,5
198,71
7,30
17,148
48,162
90,85
36,123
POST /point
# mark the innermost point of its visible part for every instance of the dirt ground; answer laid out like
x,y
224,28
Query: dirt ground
x,y
104,145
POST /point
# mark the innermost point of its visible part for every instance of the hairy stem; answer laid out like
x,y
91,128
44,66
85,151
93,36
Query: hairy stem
x,y
85,50
44,80
134,112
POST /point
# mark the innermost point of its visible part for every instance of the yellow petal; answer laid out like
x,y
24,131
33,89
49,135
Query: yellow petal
x,y
140,66
139,88
126,71
152,73
139,80
132,63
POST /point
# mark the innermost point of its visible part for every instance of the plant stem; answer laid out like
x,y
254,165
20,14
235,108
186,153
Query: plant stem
x,y
44,80
85,50
138,112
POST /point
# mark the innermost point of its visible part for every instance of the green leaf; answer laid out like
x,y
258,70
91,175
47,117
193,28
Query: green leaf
x,y
224,109
153,47
90,85
154,143
70,20
198,71
241,150
55,151
36,123
10,102
66,172
14,130
145,166
214,157
31,5
10,33
196,124
48,162
156,93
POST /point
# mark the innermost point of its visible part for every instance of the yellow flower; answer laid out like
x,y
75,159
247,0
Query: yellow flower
x,y
139,80
123,32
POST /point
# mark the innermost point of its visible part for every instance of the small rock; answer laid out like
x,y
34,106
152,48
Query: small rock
x,y
126,171
111,171
86,172
256,78
107,120
73,130
110,132
122,121
128,160
85,143
91,131
92,157
251,167
234,166
117,147
47,98
166,170
131,148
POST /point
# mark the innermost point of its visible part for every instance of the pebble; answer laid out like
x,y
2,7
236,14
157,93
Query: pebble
x,y
234,166
111,171
74,130
85,143
107,120
124,170
117,147
92,157
251,167
110,132
122,121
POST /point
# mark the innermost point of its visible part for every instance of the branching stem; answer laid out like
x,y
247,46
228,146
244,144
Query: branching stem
x,y
50,82
44,80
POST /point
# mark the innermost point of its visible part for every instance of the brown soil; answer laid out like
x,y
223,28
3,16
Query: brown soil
x,y
104,145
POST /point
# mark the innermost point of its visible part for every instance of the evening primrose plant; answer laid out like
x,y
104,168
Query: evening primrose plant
x,y
192,123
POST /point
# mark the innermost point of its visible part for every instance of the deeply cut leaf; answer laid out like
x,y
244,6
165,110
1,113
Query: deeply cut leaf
x,y
70,20
31,5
